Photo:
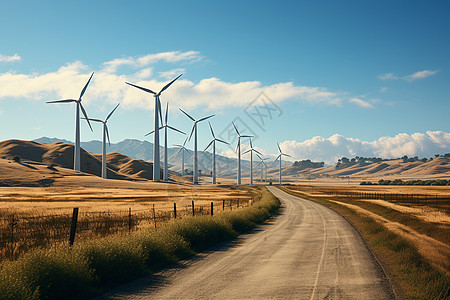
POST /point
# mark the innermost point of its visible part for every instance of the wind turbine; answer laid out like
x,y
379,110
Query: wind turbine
x,y
280,154
182,149
76,154
213,143
238,149
166,126
105,135
263,164
156,158
194,130
251,159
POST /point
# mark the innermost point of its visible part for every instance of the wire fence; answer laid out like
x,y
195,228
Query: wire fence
x,y
405,198
19,232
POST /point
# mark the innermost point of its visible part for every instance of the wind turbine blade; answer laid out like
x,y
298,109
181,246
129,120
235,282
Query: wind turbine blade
x,y
142,88
107,134
222,141
251,145
247,136
62,101
173,128
149,133
259,157
192,131
95,120
159,109
85,114
279,148
85,87
167,112
178,152
110,114
256,151
259,164
187,115
238,143
245,152
203,119
212,132
185,140
167,85
279,155
286,155
210,143
236,129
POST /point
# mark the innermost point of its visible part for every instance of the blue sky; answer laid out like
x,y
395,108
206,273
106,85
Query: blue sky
x,y
345,77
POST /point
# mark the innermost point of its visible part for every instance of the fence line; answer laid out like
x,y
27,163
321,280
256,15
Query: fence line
x,y
19,234
391,197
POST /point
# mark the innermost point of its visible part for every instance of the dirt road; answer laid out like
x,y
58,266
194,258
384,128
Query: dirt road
x,y
306,252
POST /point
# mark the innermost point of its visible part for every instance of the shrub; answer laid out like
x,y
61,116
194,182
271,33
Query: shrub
x,y
16,158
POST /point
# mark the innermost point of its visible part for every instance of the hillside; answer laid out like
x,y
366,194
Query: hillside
x,y
40,164
439,167
226,167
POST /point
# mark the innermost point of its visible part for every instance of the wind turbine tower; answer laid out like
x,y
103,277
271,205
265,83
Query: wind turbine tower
x,y
251,150
194,131
213,143
105,135
263,164
182,149
238,149
77,150
280,154
156,158
166,127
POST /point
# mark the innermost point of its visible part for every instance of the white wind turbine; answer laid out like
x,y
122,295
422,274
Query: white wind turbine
x,y
166,127
156,158
280,154
182,149
238,149
194,130
105,135
251,150
213,143
263,165
77,151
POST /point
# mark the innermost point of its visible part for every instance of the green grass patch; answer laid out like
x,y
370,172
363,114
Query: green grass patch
x,y
412,274
91,267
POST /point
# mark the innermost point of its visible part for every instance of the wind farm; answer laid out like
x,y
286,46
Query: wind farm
x,y
224,150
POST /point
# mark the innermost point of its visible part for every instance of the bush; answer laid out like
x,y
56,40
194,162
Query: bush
x,y
16,158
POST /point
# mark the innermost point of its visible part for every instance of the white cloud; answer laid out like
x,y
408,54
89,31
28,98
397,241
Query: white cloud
x,y
387,76
5,58
332,148
171,74
361,103
142,61
383,89
420,75
415,76
212,93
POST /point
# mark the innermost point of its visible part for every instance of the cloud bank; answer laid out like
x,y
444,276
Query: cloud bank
x,y
412,77
108,85
331,149
5,58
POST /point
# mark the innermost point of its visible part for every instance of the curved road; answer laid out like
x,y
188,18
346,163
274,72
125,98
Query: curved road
x,y
306,252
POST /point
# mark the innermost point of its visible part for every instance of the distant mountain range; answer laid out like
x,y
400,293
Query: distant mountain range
x,y
226,167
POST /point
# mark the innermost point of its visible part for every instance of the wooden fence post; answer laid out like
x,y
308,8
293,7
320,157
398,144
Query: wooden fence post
x,y
129,220
238,203
231,207
154,215
73,226
212,208
175,210
223,205
193,209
